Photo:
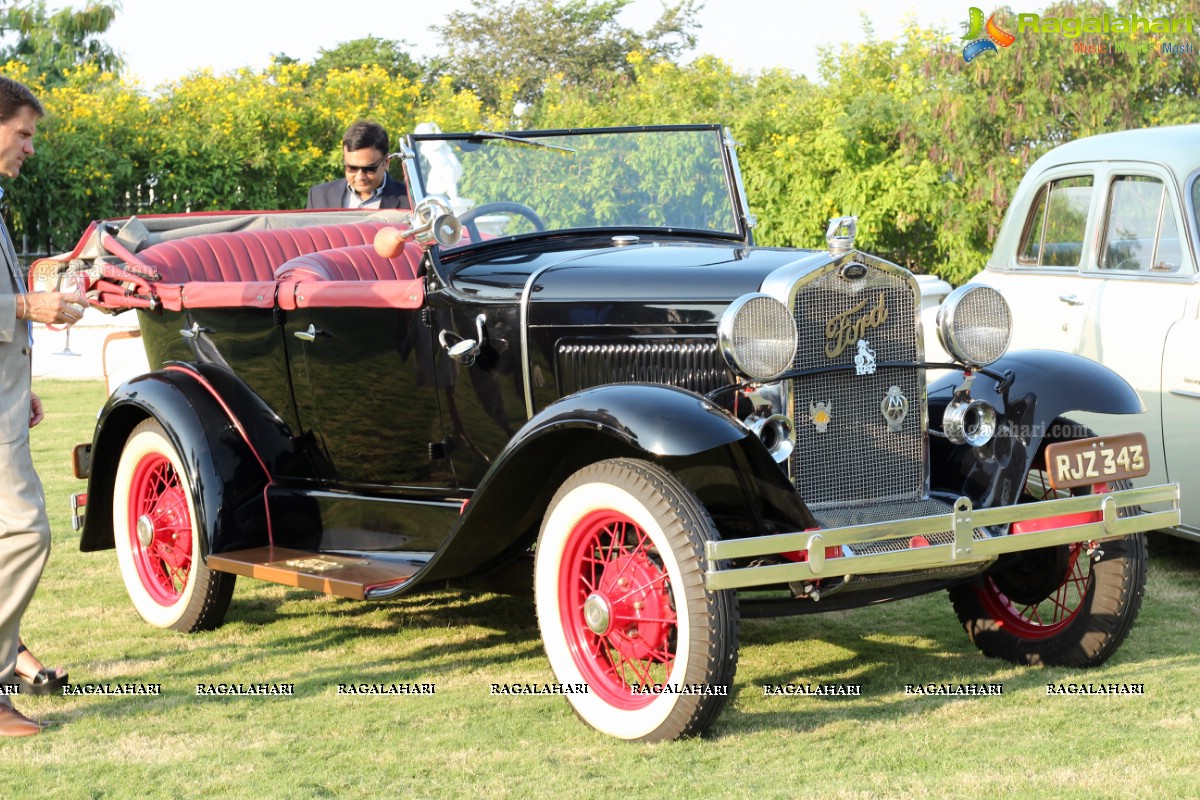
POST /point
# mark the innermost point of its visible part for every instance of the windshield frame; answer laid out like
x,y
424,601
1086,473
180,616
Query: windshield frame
x,y
743,221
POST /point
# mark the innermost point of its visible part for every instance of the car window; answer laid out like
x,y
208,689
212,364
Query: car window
x,y
1140,231
1196,200
1055,228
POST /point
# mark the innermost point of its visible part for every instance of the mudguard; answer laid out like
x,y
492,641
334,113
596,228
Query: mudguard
x,y
270,436
226,475
703,445
1044,385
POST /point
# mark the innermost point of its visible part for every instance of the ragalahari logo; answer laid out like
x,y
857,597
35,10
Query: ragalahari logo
x,y
984,37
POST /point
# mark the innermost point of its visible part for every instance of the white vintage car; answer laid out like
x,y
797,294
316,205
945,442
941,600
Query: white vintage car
x,y
1097,256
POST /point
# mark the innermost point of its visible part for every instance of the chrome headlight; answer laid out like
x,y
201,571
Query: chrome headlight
x,y
974,324
758,337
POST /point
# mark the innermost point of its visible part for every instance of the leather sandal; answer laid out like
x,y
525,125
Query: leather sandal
x,y
47,680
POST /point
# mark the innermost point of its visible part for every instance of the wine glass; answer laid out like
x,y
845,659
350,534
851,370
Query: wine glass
x,y
70,283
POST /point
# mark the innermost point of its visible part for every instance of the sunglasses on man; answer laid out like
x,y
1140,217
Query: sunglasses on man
x,y
368,169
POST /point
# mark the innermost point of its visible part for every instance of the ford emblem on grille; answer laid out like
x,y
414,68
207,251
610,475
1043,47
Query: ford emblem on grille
x,y
844,329
854,271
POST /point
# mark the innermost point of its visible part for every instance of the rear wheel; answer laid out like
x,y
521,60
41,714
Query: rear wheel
x,y
620,597
1069,605
157,538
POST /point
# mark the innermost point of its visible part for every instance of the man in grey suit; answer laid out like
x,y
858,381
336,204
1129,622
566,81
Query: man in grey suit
x,y
24,528
365,156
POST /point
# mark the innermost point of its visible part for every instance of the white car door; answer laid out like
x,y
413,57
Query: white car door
x,y
1039,271
1143,272
1181,410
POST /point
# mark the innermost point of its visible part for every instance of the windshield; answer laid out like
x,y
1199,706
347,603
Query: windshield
x,y
511,184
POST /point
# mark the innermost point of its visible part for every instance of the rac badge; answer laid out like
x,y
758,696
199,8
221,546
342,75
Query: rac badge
x,y
864,359
845,329
894,409
818,412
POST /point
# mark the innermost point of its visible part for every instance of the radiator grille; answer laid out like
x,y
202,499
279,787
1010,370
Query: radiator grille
x,y
857,458
697,366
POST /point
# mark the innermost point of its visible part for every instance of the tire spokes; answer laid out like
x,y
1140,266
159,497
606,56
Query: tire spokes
x,y
616,565
159,512
1048,616
1064,603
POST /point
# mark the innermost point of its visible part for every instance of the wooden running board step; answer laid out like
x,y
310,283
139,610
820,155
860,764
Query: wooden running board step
x,y
345,576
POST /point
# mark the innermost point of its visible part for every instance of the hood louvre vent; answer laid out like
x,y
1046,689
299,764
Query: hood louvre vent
x,y
695,365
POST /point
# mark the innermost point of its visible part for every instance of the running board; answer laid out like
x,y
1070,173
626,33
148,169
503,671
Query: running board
x,y
345,576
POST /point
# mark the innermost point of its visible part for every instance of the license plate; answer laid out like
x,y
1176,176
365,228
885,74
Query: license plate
x,y
1105,458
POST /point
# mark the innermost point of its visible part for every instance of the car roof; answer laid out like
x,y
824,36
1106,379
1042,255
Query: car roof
x,y
1175,146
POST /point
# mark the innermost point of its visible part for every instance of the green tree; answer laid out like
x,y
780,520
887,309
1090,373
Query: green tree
x,y
508,51
982,124
367,52
925,148
94,150
51,44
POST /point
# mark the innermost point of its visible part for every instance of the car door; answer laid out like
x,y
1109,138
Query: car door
x,y
1142,271
1181,384
365,382
1181,410
1038,272
365,375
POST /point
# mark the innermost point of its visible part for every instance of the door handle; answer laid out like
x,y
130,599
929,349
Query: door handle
x,y
195,331
1192,388
1070,299
311,334
464,350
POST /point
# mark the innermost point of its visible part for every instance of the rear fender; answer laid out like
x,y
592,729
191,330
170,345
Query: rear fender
x,y
227,477
1045,385
706,448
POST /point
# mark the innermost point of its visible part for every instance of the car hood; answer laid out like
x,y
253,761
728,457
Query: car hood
x,y
646,273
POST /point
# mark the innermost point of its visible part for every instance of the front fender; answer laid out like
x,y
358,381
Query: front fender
x,y
656,420
709,450
226,477
1045,385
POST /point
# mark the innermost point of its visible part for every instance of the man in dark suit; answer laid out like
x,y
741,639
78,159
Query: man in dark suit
x,y
24,528
367,183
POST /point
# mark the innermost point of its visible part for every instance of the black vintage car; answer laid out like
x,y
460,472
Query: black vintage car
x,y
570,370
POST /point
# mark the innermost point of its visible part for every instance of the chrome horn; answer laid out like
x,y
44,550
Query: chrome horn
x,y
968,421
433,223
438,225
775,432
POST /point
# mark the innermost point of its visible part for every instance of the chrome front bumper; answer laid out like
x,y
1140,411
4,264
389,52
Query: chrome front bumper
x,y
963,521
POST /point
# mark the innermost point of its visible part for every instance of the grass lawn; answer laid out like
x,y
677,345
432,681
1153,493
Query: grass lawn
x,y
464,742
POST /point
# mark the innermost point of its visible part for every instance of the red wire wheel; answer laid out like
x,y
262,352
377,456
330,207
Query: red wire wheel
x,y
1069,605
1047,616
642,649
157,537
615,602
160,529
